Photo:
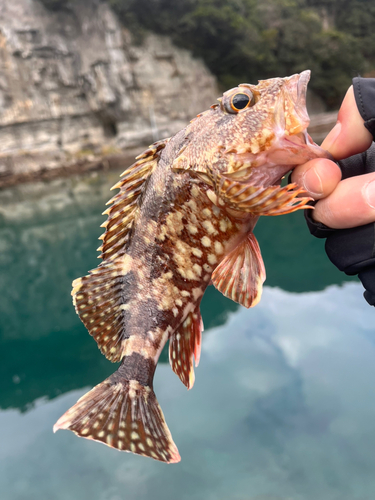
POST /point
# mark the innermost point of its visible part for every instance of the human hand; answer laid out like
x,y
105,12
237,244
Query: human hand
x,y
342,203
345,211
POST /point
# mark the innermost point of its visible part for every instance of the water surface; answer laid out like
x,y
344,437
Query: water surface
x,y
283,406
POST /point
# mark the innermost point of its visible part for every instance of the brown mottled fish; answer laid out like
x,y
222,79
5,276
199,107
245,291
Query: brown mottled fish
x,y
184,217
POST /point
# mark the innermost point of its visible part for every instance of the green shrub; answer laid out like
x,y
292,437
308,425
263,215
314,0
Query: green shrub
x,y
246,40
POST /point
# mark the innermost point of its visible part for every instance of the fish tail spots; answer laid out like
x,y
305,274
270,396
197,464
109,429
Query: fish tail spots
x,y
125,415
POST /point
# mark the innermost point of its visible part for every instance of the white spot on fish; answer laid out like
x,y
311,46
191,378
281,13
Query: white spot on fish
x,y
192,229
133,386
209,227
194,191
192,205
212,259
190,275
193,218
197,269
206,242
219,248
197,252
223,225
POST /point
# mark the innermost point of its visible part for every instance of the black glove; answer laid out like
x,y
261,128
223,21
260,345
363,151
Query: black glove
x,y
353,250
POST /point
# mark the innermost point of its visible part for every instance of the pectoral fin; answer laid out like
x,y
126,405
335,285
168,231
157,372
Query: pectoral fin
x,y
241,274
272,200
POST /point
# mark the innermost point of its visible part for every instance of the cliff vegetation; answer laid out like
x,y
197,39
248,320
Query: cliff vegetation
x,y
251,39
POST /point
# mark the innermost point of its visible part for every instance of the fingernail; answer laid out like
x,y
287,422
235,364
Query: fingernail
x,y
312,182
369,193
330,140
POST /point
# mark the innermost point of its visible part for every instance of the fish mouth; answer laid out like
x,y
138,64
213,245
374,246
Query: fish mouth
x,y
300,103
292,119
300,148
295,102
300,139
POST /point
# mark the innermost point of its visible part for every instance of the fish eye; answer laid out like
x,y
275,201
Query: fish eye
x,y
240,101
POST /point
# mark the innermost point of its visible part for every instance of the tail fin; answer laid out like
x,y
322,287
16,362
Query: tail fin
x,y
125,415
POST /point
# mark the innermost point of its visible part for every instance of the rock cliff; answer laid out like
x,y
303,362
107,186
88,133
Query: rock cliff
x,y
73,85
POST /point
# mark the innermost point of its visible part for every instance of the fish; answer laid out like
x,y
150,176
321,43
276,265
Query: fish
x,y
183,218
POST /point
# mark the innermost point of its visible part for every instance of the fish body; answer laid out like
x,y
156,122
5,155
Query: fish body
x,y
184,216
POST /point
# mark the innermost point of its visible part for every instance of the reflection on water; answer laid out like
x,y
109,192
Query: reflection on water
x,y
283,405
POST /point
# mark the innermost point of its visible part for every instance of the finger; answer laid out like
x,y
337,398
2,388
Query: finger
x,y
318,177
351,204
349,136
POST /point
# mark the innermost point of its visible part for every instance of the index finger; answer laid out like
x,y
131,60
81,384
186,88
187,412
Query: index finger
x,y
349,136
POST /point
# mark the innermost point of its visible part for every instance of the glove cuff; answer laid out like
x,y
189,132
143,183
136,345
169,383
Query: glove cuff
x,y
364,92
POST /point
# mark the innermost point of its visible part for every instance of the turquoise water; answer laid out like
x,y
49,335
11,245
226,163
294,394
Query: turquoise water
x,y
283,406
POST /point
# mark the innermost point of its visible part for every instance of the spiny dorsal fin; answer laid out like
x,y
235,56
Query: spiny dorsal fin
x,y
185,344
125,204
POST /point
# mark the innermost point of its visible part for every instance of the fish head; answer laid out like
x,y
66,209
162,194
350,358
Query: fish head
x,y
260,131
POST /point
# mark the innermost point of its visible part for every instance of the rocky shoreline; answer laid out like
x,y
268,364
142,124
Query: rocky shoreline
x,y
81,167
76,91
77,94
320,125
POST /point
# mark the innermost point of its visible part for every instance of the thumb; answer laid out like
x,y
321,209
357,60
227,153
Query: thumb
x,y
349,136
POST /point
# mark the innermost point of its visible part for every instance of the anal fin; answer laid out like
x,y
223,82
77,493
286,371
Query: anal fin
x,y
240,275
184,345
